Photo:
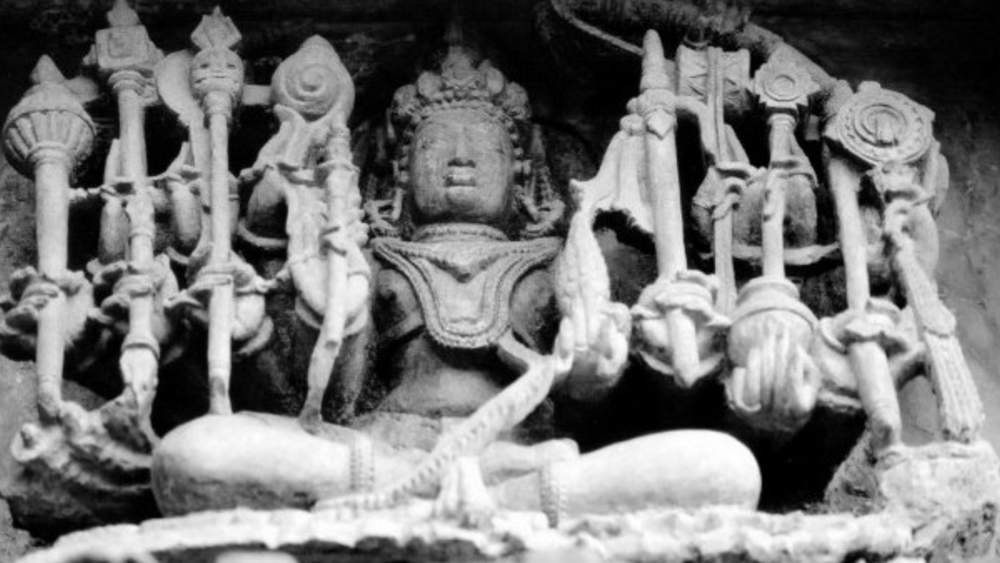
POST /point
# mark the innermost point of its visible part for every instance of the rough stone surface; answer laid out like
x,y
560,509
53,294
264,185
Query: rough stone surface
x,y
711,535
953,489
939,63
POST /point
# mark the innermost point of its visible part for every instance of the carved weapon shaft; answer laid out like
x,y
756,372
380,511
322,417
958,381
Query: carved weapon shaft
x,y
132,144
125,55
52,231
45,135
781,125
867,357
337,183
338,176
217,80
722,226
220,309
656,104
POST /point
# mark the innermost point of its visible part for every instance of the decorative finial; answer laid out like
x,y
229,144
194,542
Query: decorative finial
x,y
877,125
216,70
48,122
455,36
122,15
216,31
313,80
46,71
783,86
123,52
654,70
655,103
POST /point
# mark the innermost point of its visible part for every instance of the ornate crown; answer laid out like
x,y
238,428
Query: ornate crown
x,y
465,82
461,84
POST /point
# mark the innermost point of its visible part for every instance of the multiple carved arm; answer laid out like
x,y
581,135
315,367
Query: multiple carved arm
x,y
780,359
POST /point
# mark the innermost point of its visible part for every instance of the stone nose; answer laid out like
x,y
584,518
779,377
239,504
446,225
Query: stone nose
x,y
461,157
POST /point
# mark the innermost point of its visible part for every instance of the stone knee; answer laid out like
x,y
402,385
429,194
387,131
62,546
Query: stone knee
x,y
225,461
682,469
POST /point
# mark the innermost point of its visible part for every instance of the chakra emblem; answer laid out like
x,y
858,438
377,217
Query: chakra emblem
x,y
879,125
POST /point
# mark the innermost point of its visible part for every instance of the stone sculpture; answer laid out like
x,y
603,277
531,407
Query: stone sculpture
x,y
439,324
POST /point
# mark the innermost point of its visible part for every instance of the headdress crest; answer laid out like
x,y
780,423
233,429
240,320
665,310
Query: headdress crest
x,y
461,84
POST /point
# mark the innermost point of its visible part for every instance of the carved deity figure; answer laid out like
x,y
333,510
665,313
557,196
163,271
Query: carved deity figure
x,y
461,302
432,332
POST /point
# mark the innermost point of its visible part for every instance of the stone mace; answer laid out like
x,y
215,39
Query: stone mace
x,y
217,81
867,357
125,55
726,172
657,106
783,90
45,136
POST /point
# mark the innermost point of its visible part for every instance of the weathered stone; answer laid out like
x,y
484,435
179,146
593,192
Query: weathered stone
x,y
475,339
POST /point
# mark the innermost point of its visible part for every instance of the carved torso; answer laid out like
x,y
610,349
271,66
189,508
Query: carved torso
x,y
443,300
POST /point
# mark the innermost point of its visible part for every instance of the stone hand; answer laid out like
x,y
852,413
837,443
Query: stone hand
x,y
592,347
29,294
306,266
777,388
119,282
250,324
677,327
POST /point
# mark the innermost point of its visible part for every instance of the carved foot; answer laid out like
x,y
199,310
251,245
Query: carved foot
x,y
463,495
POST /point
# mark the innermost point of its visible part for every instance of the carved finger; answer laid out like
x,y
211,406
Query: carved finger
x,y
564,347
595,318
788,379
765,370
604,344
782,369
619,314
23,318
807,384
736,391
612,349
751,390
579,316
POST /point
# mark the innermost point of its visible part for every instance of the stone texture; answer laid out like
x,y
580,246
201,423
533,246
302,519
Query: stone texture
x,y
936,63
711,535
952,489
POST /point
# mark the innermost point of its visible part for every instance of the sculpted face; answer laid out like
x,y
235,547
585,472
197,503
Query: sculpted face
x,y
216,69
461,169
